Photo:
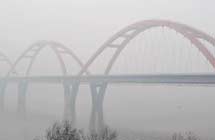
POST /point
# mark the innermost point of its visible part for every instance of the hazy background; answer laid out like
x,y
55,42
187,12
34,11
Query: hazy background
x,y
87,24
83,26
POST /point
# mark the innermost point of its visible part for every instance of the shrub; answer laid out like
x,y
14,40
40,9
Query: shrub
x,y
65,131
186,136
106,134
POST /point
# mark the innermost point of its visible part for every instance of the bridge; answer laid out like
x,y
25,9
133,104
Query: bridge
x,y
203,44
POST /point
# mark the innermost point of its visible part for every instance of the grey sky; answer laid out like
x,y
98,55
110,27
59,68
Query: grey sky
x,y
74,21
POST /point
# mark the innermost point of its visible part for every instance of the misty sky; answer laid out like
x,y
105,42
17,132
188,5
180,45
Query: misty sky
x,y
85,25
82,23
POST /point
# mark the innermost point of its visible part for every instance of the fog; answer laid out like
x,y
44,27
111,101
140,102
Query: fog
x,y
78,23
83,26
150,109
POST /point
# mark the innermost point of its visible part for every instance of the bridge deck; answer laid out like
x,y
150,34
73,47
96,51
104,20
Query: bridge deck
x,y
206,79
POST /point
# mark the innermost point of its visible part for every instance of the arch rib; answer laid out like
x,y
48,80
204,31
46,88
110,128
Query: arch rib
x,y
4,58
39,46
188,32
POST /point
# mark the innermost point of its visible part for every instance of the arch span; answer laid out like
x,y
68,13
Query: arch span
x,y
4,58
70,87
33,51
127,34
131,31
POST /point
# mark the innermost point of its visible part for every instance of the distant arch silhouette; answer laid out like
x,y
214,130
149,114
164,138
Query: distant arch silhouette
x,y
131,31
4,58
70,87
33,51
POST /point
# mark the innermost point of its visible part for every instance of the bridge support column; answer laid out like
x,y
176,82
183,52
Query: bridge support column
x,y
70,94
2,94
21,103
97,123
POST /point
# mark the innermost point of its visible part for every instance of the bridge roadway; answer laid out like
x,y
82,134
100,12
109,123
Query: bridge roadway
x,y
202,79
98,85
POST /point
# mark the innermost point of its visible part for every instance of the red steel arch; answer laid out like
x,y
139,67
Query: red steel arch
x,y
33,51
131,31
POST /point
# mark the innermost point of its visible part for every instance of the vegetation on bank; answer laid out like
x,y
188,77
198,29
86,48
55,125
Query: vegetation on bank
x,y
65,131
185,136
